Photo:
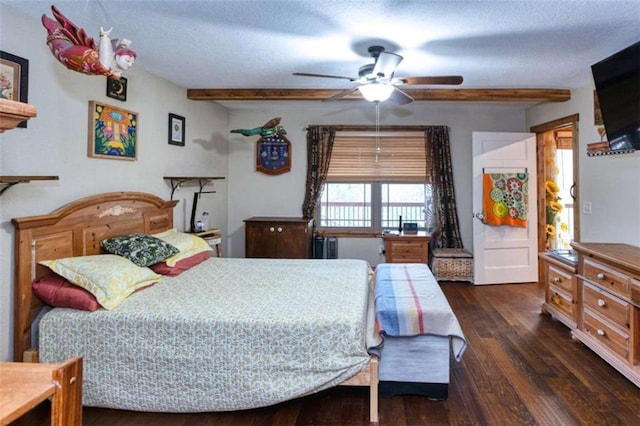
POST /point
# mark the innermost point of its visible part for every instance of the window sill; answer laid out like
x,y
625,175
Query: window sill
x,y
349,233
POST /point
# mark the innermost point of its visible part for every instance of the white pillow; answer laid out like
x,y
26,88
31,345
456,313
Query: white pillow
x,y
188,244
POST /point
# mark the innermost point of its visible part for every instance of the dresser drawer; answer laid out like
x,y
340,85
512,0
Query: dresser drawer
x,y
616,310
635,292
598,328
559,278
607,277
562,300
407,251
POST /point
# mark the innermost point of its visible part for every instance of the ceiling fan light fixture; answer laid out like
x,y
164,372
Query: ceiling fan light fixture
x,y
376,92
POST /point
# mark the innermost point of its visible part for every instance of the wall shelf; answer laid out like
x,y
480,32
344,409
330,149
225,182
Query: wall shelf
x,y
599,154
7,182
178,181
13,113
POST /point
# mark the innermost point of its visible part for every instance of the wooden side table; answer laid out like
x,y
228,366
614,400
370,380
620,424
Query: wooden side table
x,y
24,385
406,248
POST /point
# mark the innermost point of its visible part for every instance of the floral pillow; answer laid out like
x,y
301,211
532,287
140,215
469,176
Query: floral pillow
x,y
141,249
188,244
110,278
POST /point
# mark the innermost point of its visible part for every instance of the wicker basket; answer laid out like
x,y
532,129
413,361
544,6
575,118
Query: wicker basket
x,y
450,264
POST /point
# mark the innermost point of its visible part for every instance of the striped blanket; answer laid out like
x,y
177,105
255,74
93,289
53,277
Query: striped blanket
x,y
409,302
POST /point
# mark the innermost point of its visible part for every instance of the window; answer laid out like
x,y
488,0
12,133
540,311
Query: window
x,y
373,180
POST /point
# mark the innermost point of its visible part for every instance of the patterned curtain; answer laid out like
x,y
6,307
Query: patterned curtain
x,y
442,218
319,145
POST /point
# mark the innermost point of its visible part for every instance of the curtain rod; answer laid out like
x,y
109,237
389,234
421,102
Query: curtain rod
x,y
368,127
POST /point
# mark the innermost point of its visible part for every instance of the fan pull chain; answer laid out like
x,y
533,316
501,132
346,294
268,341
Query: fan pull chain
x,y
378,150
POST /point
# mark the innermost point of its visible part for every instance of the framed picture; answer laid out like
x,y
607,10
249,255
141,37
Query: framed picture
x,y
113,132
176,129
117,88
14,79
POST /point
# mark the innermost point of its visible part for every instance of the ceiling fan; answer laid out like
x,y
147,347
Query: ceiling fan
x,y
377,83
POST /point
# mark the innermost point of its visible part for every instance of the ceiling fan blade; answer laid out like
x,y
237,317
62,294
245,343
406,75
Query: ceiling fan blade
x,y
445,79
340,95
386,64
306,74
400,97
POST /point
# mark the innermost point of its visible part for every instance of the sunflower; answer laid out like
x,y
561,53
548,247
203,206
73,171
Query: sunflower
x,y
555,206
551,187
551,230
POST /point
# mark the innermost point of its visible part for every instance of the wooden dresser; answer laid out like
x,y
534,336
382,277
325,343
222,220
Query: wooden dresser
x,y
608,320
278,237
406,248
560,288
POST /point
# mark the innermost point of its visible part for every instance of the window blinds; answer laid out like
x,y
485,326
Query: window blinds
x,y
391,157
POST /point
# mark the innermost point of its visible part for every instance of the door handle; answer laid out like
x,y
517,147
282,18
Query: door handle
x,y
572,191
478,216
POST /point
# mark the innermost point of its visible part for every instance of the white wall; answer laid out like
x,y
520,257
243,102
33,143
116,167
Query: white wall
x,y
610,183
256,194
55,143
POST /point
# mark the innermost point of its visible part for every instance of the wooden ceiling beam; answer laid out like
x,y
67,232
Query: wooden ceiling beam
x,y
467,95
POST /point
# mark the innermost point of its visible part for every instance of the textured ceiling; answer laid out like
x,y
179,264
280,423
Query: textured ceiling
x,y
259,44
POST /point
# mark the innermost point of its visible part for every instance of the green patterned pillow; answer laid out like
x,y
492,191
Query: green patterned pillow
x,y
141,249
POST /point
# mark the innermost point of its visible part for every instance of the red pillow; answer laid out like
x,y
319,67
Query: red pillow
x,y
181,265
56,291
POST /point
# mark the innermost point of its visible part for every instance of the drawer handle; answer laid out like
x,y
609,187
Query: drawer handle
x,y
601,303
600,332
557,279
600,276
556,299
272,229
279,229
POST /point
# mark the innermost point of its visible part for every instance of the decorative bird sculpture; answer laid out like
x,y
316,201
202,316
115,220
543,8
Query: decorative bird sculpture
x,y
270,128
77,51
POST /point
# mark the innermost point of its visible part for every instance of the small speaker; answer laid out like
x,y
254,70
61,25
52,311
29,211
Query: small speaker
x,y
332,247
318,247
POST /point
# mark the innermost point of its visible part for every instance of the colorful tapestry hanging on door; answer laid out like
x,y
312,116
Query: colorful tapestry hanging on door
x,y
505,198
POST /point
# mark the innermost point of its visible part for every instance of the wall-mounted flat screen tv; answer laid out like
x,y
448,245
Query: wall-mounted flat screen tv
x,y
617,80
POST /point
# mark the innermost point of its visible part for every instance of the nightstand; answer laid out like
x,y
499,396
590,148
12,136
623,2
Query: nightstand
x,y
214,238
406,248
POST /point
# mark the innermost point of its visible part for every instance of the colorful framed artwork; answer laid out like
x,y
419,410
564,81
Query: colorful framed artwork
x,y
14,79
176,129
273,155
113,132
117,88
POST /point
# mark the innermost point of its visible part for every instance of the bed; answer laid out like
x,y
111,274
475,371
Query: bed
x,y
217,337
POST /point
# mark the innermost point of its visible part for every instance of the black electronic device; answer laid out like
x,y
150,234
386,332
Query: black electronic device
x,y
410,228
617,81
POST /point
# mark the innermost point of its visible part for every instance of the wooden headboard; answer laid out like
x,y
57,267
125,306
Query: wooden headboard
x,y
76,229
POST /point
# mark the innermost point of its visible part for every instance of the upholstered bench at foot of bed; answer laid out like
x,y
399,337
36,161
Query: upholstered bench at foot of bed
x,y
420,332
452,264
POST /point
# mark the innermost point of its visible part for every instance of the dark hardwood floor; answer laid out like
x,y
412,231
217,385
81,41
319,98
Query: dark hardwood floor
x,y
520,368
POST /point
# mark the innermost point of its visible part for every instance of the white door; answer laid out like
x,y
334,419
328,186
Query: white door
x,y
504,254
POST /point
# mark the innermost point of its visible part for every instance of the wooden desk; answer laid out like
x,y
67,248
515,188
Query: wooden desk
x,y
24,385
